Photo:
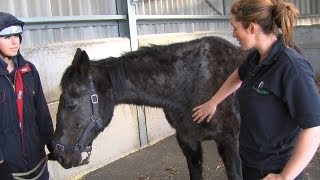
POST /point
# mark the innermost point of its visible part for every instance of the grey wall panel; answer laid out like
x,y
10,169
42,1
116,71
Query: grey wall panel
x,y
307,7
159,27
56,8
182,7
44,33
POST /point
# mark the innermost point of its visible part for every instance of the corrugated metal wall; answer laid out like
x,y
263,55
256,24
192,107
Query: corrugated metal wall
x,y
50,21
182,7
309,10
204,7
190,9
307,7
40,30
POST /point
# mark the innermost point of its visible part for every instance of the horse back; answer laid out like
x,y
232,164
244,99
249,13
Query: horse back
x,y
185,73
201,66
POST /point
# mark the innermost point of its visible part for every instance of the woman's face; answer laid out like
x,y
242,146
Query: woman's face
x,y
10,45
241,34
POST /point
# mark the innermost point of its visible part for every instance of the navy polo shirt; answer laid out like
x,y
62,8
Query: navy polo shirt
x,y
278,97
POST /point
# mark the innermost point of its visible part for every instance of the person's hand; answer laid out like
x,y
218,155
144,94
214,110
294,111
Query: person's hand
x,y
203,111
272,176
51,156
5,172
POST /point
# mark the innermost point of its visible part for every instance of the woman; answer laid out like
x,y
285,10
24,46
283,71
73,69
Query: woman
x,y
25,123
279,102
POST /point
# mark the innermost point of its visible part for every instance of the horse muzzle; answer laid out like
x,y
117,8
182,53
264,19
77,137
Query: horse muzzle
x,y
69,157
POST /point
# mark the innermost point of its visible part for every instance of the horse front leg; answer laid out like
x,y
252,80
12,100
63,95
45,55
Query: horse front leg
x,y
192,150
228,150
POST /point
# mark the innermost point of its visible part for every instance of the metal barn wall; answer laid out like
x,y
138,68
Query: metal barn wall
x,y
158,16
50,21
172,16
307,7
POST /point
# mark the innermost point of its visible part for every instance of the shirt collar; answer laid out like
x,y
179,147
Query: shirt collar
x,y
272,56
4,65
16,64
274,53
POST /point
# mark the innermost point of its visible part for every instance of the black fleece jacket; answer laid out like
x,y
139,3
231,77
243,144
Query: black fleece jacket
x,y
38,127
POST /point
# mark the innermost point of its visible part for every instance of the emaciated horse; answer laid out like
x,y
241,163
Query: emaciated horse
x,y
174,77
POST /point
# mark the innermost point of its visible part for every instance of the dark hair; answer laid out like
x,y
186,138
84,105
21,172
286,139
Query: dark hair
x,y
274,16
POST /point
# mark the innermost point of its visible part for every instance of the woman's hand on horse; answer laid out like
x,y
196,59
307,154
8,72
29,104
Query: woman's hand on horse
x,y
203,111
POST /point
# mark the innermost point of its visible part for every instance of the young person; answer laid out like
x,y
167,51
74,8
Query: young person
x,y
25,123
278,98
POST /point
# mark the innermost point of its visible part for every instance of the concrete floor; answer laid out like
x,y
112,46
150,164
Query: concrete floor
x,y
164,160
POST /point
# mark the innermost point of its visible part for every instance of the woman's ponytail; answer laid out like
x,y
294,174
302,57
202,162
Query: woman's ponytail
x,y
285,16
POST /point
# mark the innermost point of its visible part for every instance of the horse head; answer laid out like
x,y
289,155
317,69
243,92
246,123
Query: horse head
x,y
83,112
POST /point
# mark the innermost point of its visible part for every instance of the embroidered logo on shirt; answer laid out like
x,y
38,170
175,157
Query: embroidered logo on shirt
x,y
261,85
260,89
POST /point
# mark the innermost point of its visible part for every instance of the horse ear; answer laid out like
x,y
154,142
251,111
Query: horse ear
x,y
81,62
76,57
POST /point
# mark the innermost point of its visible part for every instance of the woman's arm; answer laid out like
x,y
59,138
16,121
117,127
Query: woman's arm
x,y
306,146
207,109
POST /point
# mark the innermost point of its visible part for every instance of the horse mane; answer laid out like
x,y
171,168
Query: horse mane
x,y
116,73
148,60
149,57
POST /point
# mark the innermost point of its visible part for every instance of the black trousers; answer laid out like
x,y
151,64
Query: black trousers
x,y
250,173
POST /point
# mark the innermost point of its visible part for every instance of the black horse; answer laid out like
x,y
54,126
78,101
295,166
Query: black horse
x,y
174,77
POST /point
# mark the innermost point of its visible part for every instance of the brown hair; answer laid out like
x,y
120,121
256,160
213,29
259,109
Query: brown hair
x,y
274,16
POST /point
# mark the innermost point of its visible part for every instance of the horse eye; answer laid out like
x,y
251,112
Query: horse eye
x,y
71,107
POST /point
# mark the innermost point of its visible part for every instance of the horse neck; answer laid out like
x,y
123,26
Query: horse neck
x,y
141,81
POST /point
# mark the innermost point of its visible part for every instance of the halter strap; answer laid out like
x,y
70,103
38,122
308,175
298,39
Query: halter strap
x,y
95,105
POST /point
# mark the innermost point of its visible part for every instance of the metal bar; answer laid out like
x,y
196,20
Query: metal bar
x,y
45,26
309,16
181,17
143,135
213,7
135,1
95,18
132,26
66,19
224,7
142,125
